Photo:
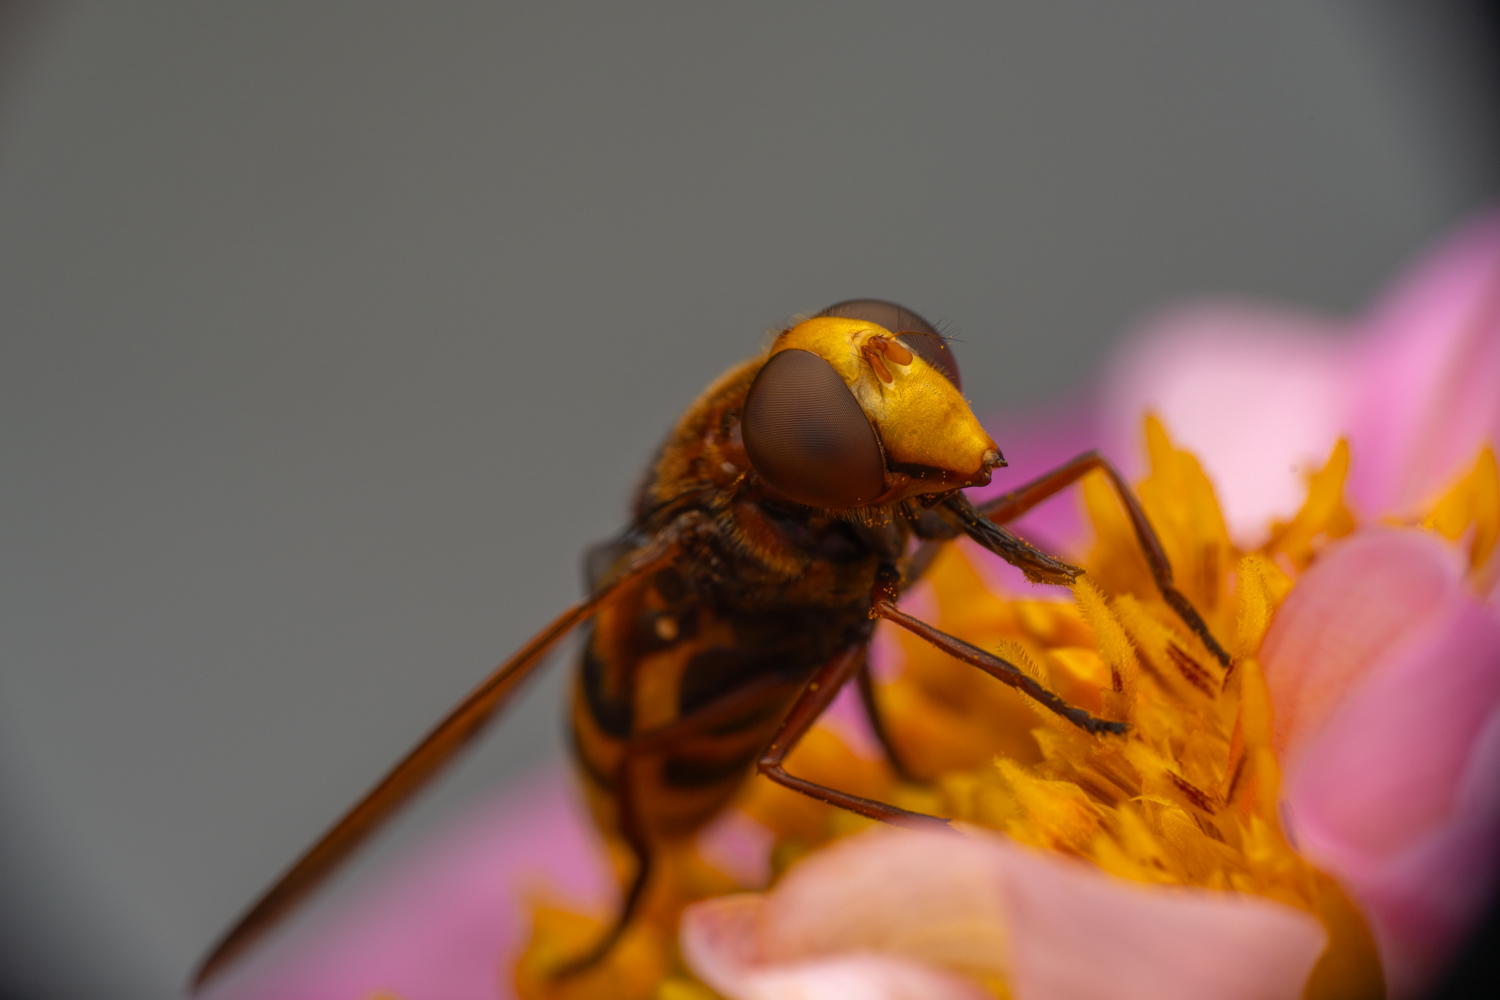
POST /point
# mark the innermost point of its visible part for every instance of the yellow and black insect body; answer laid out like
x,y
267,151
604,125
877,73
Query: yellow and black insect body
x,y
781,519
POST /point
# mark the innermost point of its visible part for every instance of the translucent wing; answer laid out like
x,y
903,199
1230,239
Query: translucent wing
x,y
450,736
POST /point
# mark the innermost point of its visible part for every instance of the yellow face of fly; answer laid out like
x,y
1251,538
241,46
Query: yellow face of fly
x,y
931,440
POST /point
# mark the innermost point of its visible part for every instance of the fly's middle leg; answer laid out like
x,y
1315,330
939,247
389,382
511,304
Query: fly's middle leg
x,y
833,675
883,605
810,704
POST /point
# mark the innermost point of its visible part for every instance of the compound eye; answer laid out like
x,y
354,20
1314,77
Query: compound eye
x,y
918,334
807,436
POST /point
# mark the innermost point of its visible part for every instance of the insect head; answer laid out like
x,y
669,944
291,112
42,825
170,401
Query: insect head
x,y
861,405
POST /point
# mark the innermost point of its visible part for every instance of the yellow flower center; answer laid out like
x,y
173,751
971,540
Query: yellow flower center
x,y
1188,797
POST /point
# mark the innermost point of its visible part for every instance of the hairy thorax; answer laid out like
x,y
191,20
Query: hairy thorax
x,y
764,551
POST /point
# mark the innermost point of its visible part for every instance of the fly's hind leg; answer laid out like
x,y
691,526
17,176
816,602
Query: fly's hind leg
x,y
983,525
716,713
640,848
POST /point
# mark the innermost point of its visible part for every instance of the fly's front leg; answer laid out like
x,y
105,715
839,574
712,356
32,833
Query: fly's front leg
x,y
983,525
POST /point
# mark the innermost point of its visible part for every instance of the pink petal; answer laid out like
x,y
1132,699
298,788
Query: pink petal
x,y
928,896
721,941
1365,595
1428,374
862,977
739,846
1399,794
1036,441
979,903
449,919
846,719
1258,394
1080,934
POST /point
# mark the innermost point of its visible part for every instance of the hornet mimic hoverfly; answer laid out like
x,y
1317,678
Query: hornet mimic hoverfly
x,y
782,518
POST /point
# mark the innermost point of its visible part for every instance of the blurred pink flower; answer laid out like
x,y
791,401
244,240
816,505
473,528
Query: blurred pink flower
x,y
1384,663
449,919
1260,394
1383,666
893,914
1384,672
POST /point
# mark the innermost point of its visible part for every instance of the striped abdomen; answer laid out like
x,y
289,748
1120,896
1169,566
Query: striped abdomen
x,y
651,661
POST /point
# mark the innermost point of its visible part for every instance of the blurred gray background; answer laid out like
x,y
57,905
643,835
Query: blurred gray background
x,y
331,334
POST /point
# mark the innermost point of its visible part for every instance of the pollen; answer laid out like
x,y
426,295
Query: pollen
x,y
1187,797
1473,506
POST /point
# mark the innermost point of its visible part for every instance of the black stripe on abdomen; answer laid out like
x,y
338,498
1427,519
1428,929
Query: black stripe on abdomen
x,y
698,772
719,670
612,711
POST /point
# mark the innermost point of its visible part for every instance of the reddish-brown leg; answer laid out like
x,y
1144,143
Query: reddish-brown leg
x,y
834,674
813,701
1009,506
1001,670
715,713
641,849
